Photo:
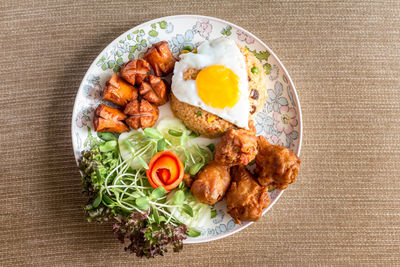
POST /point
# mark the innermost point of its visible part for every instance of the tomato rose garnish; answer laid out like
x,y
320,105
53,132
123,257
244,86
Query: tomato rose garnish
x,y
166,170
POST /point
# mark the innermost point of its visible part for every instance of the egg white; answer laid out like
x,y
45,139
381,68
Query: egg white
x,y
221,51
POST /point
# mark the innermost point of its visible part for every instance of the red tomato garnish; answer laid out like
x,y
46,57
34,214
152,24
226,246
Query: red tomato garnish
x,y
166,170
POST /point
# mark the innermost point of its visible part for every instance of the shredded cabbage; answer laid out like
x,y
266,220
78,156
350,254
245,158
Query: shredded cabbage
x,y
137,148
201,212
190,153
143,148
167,124
177,138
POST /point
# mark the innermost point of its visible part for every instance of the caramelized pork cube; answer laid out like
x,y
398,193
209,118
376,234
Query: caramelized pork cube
x,y
142,114
160,58
107,119
154,91
245,199
277,166
135,71
118,91
211,183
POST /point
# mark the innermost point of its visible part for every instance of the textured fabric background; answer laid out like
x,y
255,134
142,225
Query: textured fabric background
x,y
343,56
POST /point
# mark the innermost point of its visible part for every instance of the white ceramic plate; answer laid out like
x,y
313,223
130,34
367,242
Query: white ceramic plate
x,y
280,120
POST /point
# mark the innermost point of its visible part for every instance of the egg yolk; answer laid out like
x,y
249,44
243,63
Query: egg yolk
x,y
218,86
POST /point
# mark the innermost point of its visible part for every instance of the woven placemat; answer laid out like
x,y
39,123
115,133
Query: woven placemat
x,y
343,56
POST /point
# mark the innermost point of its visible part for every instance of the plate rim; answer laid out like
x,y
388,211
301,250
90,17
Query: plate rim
x,y
290,81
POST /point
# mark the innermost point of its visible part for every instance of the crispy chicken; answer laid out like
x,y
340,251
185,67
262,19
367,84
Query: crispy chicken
x,y
211,183
277,166
237,147
245,199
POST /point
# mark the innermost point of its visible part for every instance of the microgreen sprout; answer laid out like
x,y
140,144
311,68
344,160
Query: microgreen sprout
x,y
117,184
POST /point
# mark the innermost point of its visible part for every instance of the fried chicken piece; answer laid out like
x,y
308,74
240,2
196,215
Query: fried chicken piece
x,y
245,199
154,91
142,114
107,119
277,166
118,91
135,71
211,183
237,147
160,58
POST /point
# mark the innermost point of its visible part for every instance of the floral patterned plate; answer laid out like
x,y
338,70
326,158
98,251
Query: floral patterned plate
x,y
280,120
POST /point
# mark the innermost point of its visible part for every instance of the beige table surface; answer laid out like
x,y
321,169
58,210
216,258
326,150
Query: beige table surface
x,y
343,56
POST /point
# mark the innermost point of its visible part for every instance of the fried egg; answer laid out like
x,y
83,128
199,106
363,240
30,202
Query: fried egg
x,y
221,85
